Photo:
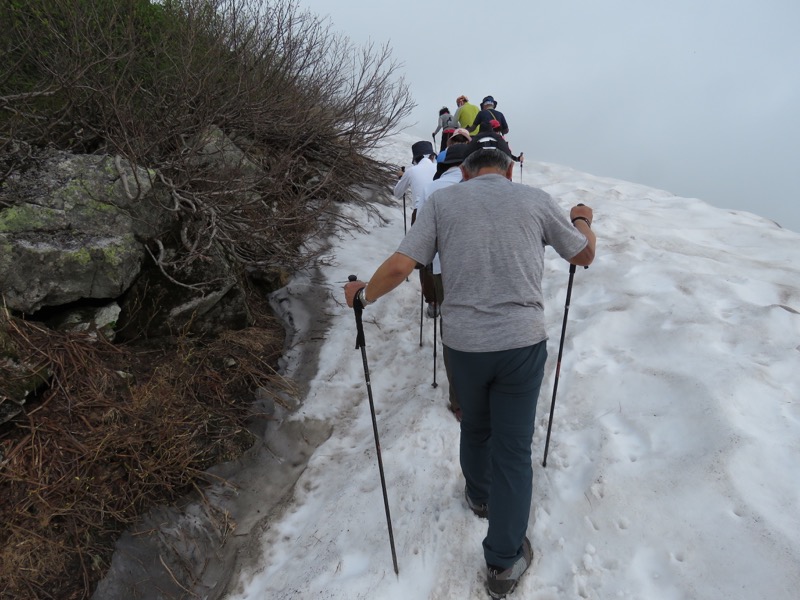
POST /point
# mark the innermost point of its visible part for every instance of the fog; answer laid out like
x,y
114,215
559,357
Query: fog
x,y
699,99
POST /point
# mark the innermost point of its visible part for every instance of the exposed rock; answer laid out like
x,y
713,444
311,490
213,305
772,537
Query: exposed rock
x,y
67,232
73,229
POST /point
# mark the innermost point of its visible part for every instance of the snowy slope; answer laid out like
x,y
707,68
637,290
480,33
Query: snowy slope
x,y
673,470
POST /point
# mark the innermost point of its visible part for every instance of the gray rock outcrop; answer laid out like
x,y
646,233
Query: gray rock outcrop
x,y
69,230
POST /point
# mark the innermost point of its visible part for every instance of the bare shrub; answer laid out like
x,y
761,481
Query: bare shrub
x,y
155,82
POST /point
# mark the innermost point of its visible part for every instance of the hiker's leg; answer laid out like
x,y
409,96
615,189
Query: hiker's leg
x,y
471,374
513,395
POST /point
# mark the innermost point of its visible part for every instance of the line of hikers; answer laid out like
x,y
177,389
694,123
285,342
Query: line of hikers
x,y
472,122
470,117
478,240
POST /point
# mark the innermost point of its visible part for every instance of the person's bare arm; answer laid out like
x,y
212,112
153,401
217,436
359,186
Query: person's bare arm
x,y
388,276
581,217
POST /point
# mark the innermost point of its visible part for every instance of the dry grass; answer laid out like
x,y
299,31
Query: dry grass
x,y
118,431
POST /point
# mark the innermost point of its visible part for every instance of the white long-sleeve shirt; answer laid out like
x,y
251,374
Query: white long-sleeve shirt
x,y
416,177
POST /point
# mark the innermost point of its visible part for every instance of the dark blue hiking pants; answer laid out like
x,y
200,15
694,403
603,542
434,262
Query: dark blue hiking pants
x,y
498,392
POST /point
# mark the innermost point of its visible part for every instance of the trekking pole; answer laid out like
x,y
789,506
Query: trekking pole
x,y
421,305
521,162
360,343
405,226
558,363
435,319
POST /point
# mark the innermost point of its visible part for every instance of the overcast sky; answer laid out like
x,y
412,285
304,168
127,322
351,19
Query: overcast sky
x,y
699,98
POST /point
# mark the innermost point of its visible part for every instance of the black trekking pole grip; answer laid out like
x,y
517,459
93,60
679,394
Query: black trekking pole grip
x,y
358,308
360,343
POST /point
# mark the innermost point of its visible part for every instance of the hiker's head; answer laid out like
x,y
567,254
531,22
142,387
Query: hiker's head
x,y
420,150
460,136
453,158
443,110
487,140
488,102
491,160
456,155
461,100
487,151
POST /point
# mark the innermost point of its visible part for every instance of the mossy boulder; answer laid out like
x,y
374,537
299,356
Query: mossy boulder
x,y
72,227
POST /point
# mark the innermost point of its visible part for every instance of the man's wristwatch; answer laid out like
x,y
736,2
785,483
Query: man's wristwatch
x,y
361,296
584,219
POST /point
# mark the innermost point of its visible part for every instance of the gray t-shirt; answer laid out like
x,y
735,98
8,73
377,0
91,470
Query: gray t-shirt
x,y
491,234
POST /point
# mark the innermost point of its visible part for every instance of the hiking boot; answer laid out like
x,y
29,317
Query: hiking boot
x,y
481,510
433,310
503,581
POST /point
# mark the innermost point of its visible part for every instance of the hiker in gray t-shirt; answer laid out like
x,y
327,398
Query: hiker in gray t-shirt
x,y
490,234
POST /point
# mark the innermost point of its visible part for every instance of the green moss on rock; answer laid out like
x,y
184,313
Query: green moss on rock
x,y
27,217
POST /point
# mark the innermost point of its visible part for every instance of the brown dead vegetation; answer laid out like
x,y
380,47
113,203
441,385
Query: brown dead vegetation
x,y
118,431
